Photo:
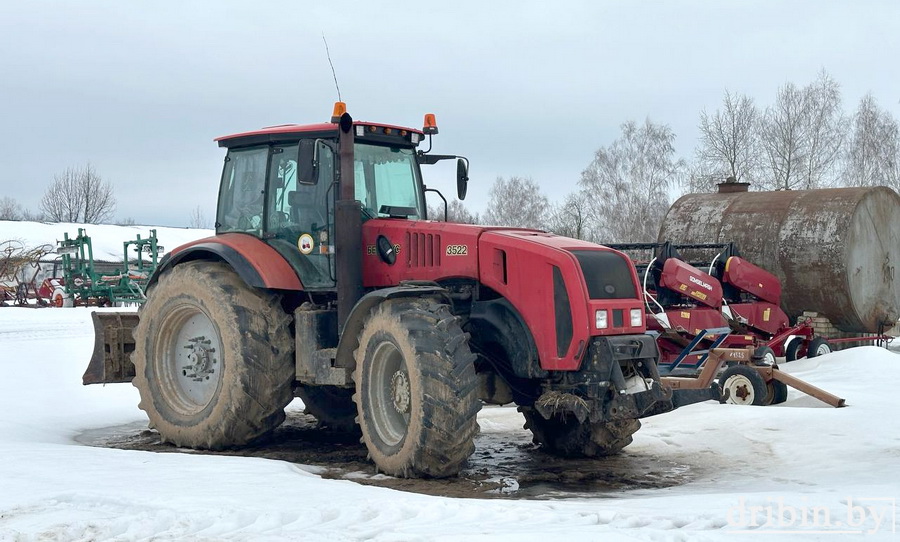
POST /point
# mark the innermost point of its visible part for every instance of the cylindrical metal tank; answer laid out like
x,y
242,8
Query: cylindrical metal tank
x,y
836,251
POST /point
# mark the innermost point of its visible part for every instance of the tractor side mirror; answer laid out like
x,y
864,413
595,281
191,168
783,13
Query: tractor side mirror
x,y
307,162
462,178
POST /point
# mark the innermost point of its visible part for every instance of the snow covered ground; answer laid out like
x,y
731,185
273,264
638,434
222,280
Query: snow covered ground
x,y
801,470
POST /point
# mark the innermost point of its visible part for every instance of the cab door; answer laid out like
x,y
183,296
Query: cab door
x,y
299,223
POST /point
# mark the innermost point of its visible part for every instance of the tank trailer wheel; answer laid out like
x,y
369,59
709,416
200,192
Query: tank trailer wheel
x,y
792,349
818,347
765,355
742,385
416,391
776,393
331,406
213,358
567,437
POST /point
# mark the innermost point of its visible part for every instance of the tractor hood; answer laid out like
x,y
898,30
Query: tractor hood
x,y
586,289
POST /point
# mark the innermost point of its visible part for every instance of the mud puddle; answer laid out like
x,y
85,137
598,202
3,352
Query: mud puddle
x,y
505,464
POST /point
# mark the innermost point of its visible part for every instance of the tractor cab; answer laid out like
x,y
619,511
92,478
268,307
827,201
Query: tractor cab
x,y
280,184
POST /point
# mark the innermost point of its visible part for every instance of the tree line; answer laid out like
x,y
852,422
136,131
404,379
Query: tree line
x,y
79,195
803,140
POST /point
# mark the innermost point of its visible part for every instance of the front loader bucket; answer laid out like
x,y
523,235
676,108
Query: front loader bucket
x,y
113,345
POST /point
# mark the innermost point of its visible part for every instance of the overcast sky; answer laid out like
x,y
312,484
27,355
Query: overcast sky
x,y
140,89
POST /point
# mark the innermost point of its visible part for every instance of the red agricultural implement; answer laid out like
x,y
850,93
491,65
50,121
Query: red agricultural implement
x,y
702,323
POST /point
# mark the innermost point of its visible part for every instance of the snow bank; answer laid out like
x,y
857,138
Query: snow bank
x,y
784,460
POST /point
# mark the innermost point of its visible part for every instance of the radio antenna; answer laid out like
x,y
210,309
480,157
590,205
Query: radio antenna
x,y
328,54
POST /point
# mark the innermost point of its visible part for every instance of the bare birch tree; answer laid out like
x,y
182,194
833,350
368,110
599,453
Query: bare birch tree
x,y
10,209
456,212
627,184
79,195
570,218
729,144
518,203
802,134
198,219
873,148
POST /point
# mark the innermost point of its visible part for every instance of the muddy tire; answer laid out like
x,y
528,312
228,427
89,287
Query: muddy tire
x,y
213,358
743,385
416,391
332,406
567,437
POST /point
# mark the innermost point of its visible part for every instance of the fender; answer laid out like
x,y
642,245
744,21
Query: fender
x,y
498,322
258,264
356,321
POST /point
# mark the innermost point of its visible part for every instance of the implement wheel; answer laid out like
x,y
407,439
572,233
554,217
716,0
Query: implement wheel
x,y
416,389
213,358
765,355
776,393
793,349
61,299
818,347
743,385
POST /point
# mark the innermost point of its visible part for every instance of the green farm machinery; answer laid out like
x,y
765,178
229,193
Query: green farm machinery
x,y
84,284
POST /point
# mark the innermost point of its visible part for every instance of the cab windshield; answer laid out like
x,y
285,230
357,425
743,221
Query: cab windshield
x,y
387,177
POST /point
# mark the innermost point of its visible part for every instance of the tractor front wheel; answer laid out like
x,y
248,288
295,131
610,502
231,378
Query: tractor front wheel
x,y
567,437
416,389
213,358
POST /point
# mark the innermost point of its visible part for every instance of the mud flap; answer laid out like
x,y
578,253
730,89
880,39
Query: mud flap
x,y
113,345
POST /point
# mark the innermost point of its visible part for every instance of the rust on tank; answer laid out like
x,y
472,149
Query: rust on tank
x,y
832,249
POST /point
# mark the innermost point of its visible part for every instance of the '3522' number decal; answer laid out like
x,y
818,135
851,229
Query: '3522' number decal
x,y
457,250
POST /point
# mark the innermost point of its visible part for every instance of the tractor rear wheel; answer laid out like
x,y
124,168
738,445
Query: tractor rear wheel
x,y
416,389
331,406
213,358
566,436
742,385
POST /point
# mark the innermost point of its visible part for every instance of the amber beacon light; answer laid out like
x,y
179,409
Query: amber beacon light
x,y
430,127
339,109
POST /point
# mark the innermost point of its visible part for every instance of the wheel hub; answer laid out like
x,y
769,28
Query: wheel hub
x,y
400,395
201,359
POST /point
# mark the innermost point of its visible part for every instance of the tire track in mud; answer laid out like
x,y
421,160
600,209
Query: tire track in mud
x,y
505,464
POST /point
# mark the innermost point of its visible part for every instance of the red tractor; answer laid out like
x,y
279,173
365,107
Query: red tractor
x,y
325,280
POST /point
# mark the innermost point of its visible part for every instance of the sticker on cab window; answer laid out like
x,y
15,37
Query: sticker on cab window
x,y
305,243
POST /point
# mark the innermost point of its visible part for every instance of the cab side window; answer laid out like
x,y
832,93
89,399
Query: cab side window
x,y
242,190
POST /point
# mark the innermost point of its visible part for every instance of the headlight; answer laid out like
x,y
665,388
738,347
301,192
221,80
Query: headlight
x,y
602,319
635,317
